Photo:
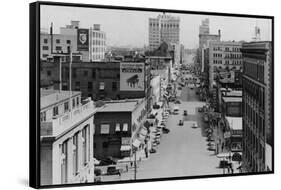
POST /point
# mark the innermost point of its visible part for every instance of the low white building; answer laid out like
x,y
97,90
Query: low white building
x,y
66,138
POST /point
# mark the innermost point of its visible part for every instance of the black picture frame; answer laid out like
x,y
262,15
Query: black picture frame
x,y
34,83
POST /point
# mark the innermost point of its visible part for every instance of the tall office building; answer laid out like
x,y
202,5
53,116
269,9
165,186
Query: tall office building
x,y
204,27
257,106
163,28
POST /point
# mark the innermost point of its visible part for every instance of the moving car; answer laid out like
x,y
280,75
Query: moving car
x,y
176,110
185,112
177,102
166,130
152,150
181,122
194,125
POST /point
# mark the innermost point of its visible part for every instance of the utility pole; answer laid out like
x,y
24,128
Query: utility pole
x,y
70,63
135,163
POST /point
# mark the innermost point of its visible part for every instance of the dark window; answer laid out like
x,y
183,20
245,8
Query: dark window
x,y
90,86
77,101
58,48
57,41
73,103
74,73
77,85
85,73
55,111
95,145
105,144
49,73
66,106
114,86
68,41
45,47
93,73
45,41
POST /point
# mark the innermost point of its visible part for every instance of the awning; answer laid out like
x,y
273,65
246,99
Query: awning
x,y
125,148
136,143
143,131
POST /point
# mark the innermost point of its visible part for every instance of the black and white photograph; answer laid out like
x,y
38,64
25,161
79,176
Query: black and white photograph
x,y
142,94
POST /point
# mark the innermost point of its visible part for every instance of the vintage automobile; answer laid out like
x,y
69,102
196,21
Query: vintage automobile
x,y
112,170
185,112
180,122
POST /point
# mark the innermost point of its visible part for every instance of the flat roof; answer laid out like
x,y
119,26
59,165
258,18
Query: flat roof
x,y
233,93
232,99
121,106
235,123
50,97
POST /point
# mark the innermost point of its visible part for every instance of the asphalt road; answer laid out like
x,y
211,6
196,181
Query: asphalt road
x,y
182,152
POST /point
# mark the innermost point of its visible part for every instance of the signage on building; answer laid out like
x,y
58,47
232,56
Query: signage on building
x,y
83,39
131,76
227,76
227,134
104,129
126,140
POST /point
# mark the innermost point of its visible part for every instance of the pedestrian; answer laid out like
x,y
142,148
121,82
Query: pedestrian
x,y
131,164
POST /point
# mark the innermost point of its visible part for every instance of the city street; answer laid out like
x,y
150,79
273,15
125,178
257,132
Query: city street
x,y
182,152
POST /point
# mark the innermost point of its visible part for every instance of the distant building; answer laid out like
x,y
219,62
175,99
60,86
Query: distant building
x,y
204,28
257,106
163,28
66,138
119,126
225,62
204,38
61,44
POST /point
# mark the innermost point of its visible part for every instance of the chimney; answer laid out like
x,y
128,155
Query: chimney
x,y
219,33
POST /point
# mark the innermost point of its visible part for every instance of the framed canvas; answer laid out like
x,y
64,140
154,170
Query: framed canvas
x,y
126,94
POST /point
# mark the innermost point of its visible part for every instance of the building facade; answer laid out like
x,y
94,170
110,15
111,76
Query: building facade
x,y
225,59
61,44
98,80
66,138
117,127
257,106
163,28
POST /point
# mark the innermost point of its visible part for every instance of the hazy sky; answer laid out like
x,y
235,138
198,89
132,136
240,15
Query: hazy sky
x,y
125,27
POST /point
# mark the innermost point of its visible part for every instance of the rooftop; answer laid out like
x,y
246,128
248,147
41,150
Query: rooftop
x,y
121,106
233,93
235,123
50,97
232,99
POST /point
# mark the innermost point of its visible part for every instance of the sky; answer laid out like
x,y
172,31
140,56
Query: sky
x,y
130,28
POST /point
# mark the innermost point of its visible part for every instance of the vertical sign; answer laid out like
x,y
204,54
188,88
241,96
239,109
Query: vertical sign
x,y
83,39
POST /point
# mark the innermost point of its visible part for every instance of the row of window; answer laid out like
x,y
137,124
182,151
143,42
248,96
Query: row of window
x,y
98,49
75,103
254,70
98,35
99,42
105,128
90,86
227,49
165,25
58,41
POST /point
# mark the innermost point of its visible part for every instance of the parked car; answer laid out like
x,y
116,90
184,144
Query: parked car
x,y
185,112
223,164
177,102
179,88
107,161
181,122
166,130
112,170
153,150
